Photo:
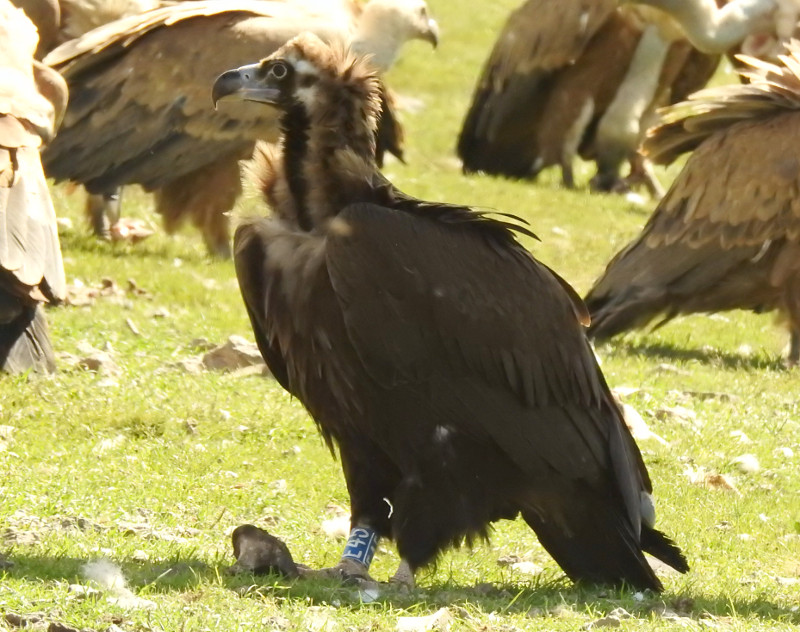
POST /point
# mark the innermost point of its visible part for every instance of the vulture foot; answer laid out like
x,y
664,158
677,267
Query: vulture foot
x,y
103,211
403,579
347,571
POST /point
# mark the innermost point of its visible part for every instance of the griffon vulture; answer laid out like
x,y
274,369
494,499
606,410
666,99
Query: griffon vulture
x,y
31,270
448,366
139,112
727,234
573,78
46,16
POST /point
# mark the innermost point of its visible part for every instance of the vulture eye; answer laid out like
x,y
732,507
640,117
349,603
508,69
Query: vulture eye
x,y
279,70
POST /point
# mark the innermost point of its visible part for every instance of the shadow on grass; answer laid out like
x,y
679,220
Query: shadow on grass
x,y
671,352
547,595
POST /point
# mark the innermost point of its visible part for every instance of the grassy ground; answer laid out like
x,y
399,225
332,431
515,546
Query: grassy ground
x,y
151,467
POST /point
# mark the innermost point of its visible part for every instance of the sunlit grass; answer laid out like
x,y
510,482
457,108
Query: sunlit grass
x,y
161,464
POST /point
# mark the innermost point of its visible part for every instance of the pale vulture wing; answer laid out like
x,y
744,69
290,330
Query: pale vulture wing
x,y
29,248
143,114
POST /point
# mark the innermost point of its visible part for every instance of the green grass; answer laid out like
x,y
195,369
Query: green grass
x,y
162,464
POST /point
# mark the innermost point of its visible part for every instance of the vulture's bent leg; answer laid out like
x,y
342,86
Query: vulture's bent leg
x,y
619,131
103,211
642,172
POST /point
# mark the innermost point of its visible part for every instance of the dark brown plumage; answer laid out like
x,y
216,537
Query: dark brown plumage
x,y
140,114
445,363
574,78
31,270
727,234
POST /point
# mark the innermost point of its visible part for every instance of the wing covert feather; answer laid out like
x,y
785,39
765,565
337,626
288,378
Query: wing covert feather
x,y
435,304
721,196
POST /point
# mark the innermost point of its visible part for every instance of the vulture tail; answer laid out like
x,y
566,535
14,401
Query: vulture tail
x,y
25,343
615,315
663,548
643,283
594,542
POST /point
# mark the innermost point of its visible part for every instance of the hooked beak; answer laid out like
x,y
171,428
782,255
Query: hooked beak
x,y
431,34
245,83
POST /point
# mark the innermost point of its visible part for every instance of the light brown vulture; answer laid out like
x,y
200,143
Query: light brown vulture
x,y
31,270
448,366
576,78
727,234
46,16
139,109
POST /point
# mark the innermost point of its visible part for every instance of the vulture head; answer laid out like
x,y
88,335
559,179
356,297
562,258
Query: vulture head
x,y
306,78
330,102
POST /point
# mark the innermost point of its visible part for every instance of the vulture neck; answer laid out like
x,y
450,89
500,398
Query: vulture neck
x,y
328,159
379,38
717,30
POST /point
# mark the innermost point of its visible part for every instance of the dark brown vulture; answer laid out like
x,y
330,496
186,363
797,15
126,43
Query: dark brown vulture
x,y
31,270
727,234
139,109
448,366
573,78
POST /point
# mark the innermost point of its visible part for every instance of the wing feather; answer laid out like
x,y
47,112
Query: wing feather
x,y
434,304
140,110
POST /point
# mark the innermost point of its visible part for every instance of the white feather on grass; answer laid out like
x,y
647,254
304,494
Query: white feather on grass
x,y
109,577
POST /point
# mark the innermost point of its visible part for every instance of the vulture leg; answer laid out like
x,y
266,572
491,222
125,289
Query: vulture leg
x,y
370,483
204,196
793,309
642,173
103,211
403,577
572,142
619,130
794,347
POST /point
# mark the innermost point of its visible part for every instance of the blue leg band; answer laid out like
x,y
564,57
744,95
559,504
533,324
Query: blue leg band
x,y
361,545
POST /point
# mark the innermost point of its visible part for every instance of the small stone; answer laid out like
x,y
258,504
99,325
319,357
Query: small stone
x,y
441,620
526,568
337,527
236,353
747,463
678,413
605,622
